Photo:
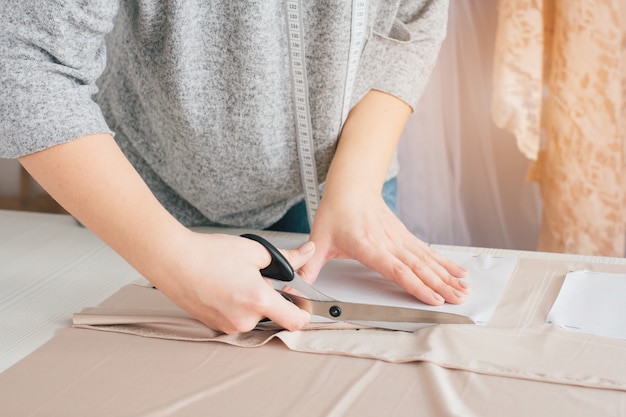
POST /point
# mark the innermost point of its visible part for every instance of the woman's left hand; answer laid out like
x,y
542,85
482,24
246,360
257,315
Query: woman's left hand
x,y
353,221
353,225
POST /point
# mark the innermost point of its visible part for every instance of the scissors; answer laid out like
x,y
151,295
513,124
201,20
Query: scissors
x,y
319,304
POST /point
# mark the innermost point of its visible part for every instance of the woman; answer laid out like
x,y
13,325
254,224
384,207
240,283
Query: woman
x,y
211,105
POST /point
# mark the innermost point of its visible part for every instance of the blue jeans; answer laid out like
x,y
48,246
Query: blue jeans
x,y
295,220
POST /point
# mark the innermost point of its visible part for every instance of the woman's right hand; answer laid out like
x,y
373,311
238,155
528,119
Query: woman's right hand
x,y
216,279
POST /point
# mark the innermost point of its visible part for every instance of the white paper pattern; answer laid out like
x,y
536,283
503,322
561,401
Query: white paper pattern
x,y
488,277
591,302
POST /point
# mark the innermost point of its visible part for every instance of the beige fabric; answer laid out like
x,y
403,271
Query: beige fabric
x,y
559,71
502,348
515,366
86,373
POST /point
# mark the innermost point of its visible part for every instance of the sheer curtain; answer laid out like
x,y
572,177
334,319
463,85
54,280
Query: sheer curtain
x,y
462,180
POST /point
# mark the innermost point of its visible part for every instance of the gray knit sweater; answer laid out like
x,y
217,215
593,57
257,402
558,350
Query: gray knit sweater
x,y
197,92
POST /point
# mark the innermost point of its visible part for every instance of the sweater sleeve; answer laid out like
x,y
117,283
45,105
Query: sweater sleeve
x,y
51,53
402,49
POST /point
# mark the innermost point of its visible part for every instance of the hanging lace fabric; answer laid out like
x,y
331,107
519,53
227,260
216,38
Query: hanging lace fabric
x,y
559,72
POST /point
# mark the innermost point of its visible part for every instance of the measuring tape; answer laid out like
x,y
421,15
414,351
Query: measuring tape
x,y
297,62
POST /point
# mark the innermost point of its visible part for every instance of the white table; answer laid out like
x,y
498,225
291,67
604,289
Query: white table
x,y
49,268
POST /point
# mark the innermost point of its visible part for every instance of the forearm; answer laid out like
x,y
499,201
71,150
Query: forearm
x,y
354,222
367,144
93,180
215,278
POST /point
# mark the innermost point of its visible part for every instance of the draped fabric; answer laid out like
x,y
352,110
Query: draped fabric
x,y
462,180
559,88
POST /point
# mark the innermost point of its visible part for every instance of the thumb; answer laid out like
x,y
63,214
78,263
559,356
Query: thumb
x,y
287,315
311,269
300,256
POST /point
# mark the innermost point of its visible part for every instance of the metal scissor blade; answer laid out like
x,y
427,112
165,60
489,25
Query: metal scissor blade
x,y
304,288
375,315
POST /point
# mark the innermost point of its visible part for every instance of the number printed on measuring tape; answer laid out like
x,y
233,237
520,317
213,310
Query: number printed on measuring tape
x,y
304,131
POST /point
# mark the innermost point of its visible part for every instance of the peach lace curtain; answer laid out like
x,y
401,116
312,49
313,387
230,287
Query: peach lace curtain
x,y
559,68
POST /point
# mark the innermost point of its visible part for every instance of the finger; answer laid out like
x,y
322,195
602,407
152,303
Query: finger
x,y
415,276
418,284
452,268
258,303
380,259
435,262
298,257
417,246
256,253
311,269
286,314
437,278
448,271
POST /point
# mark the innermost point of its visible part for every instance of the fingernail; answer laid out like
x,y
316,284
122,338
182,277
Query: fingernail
x,y
464,284
307,247
458,293
438,298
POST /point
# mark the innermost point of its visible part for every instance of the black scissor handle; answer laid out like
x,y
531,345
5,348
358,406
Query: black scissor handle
x,y
279,269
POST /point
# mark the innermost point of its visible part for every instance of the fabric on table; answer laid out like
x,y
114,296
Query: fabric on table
x,y
80,373
515,344
105,373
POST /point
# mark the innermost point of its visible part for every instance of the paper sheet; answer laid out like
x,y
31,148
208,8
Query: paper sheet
x,y
488,277
591,302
